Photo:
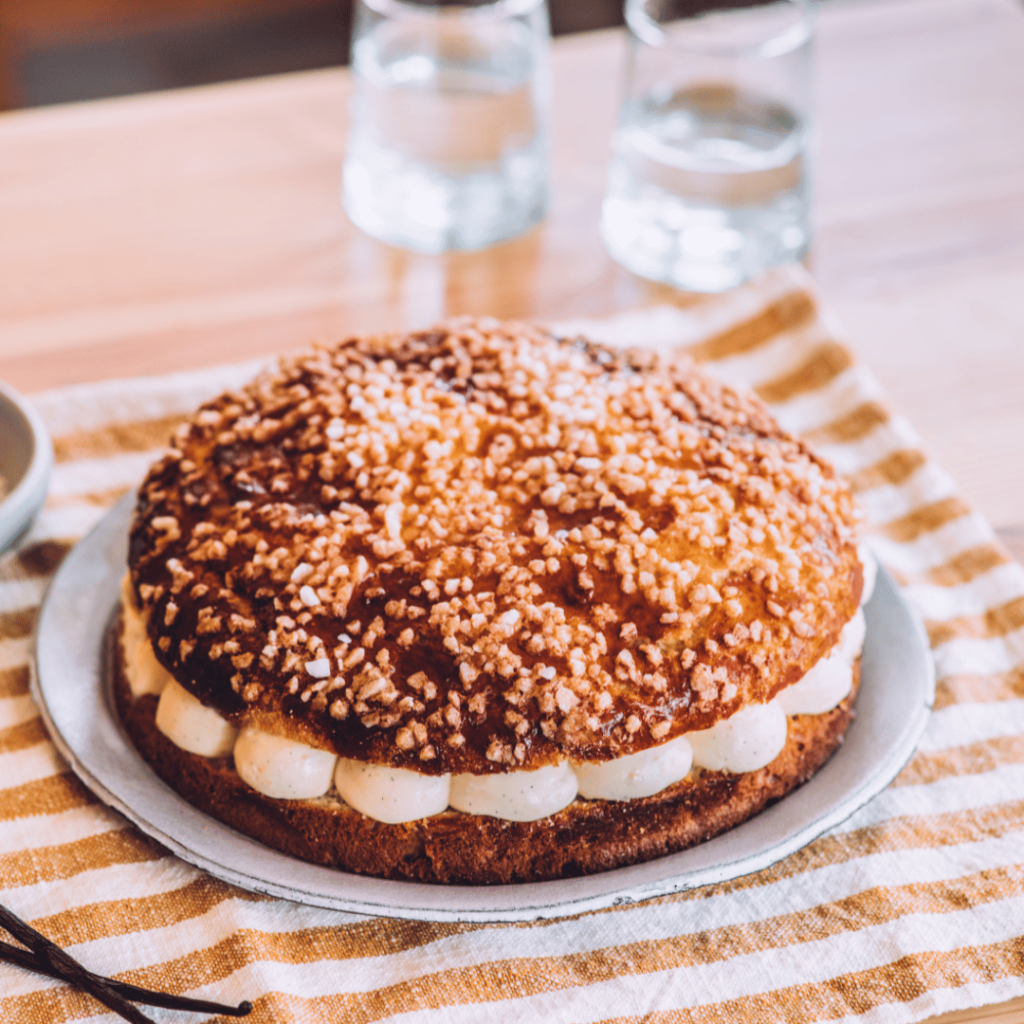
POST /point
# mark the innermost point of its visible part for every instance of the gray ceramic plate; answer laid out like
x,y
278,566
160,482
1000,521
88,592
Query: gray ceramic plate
x,y
72,687
26,457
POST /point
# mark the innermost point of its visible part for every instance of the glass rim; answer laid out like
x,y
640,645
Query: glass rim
x,y
653,33
492,11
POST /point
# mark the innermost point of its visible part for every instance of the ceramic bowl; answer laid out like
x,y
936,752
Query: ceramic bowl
x,y
26,458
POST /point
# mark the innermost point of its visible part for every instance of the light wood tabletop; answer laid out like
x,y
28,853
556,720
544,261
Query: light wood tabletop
x,y
185,229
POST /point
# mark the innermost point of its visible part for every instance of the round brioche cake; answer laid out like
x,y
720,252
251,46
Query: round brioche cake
x,y
483,605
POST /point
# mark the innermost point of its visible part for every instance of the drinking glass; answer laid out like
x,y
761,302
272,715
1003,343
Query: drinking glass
x,y
448,138
708,181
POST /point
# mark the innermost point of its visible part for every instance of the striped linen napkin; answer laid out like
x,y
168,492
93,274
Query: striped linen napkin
x,y
913,907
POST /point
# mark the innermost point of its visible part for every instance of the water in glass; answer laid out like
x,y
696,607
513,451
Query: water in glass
x,y
447,147
706,187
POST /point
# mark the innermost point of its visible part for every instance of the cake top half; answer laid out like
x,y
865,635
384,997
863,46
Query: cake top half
x,y
483,548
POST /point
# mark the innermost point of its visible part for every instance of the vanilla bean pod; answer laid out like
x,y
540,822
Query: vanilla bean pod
x,y
25,958
69,969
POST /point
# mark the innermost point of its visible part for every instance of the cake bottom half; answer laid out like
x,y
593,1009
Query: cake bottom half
x,y
586,837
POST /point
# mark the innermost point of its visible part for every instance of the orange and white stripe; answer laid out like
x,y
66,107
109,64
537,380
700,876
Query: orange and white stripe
x,y
910,908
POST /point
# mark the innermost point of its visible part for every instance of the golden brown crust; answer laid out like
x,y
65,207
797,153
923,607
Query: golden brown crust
x,y
478,548
587,837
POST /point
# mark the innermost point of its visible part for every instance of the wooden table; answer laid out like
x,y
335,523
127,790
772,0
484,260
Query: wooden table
x,y
186,229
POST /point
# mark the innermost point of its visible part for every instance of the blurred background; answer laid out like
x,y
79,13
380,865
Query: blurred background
x,y
60,51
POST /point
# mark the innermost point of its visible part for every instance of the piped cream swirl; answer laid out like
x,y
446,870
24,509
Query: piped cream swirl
x,y
147,675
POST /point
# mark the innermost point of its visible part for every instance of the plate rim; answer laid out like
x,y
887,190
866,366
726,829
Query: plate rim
x,y
368,896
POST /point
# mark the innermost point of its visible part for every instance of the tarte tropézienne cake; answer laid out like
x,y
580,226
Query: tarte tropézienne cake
x,y
481,605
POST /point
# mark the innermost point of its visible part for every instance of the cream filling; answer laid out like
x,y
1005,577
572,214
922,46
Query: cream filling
x,y
748,740
191,725
391,795
147,675
516,796
831,679
281,768
636,775
284,769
